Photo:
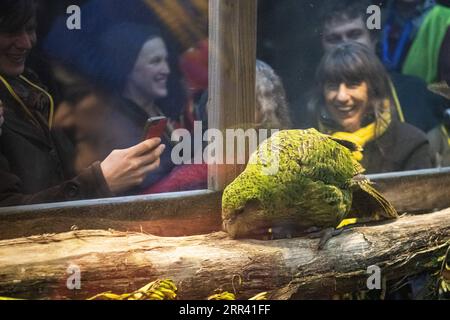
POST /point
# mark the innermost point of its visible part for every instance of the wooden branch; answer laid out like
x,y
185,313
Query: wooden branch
x,y
232,68
36,267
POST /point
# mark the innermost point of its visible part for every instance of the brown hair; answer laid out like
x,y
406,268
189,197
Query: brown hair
x,y
351,63
14,14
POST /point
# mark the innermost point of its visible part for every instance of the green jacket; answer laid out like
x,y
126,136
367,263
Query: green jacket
x,y
423,57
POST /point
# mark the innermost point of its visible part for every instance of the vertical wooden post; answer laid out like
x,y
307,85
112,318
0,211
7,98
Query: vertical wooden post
x,y
232,64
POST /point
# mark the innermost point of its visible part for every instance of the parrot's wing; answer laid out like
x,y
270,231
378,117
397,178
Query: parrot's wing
x,y
368,202
357,168
348,144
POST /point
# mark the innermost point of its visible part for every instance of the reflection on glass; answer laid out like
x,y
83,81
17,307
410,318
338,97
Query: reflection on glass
x,y
296,37
95,76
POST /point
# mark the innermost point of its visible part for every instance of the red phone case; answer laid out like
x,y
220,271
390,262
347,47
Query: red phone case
x,y
155,127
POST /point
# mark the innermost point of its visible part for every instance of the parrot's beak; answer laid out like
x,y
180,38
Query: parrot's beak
x,y
229,217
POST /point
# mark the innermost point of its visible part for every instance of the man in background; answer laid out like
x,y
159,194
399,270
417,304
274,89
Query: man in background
x,y
344,21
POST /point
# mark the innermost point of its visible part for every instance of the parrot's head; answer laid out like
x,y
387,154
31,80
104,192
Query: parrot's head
x,y
242,211
248,220
233,205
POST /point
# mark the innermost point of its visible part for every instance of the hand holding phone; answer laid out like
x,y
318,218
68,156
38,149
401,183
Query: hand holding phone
x,y
154,128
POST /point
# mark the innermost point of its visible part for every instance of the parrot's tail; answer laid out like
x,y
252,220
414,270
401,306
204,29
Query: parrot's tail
x,y
368,202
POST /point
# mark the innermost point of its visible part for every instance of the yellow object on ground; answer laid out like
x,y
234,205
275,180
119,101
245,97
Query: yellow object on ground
x,y
156,290
347,222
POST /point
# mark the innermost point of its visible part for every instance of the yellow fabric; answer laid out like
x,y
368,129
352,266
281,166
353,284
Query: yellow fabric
x,y
364,135
360,138
397,102
22,104
444,131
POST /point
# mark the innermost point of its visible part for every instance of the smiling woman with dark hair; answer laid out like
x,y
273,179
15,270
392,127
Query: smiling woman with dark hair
x,y
352,101
36,160
127,66
16,16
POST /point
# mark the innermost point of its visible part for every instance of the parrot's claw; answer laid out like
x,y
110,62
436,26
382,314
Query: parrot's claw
x,y
314,230
325,235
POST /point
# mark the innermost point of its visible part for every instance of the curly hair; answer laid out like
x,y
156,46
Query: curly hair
x,y
271,101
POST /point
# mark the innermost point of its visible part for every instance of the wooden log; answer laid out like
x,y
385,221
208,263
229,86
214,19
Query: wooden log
x,y
36,267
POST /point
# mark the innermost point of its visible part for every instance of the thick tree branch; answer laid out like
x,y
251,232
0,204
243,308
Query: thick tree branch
x,y
36,267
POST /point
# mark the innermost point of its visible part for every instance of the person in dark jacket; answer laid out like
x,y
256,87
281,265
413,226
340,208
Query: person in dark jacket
x,y
439,137
128,71
36,161
353,102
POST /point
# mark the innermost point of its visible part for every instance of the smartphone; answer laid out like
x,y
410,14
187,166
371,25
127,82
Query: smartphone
x,y
154,128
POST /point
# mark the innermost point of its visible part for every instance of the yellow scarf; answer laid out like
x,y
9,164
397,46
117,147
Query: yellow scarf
x,y
364,135
360,137
445,133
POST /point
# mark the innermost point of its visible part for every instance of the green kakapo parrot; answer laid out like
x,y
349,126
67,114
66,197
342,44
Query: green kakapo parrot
x,y
299,181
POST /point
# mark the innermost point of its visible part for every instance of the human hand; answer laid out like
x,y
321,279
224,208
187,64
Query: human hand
x,y
127,168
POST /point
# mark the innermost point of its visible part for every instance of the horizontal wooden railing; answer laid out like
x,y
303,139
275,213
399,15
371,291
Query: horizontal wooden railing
x,y
198,212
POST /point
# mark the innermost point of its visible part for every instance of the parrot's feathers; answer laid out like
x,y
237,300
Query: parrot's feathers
x,y
348,144
368,202
316,182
